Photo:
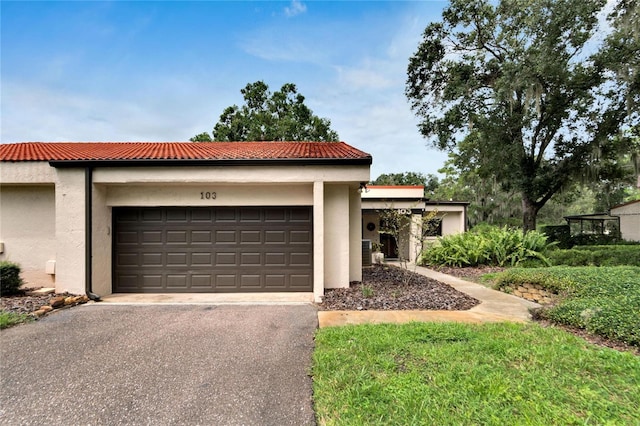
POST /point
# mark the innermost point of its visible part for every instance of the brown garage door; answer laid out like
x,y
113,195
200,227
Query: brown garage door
x,y
212,249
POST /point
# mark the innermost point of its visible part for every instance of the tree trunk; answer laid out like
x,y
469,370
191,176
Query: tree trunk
x,y
529,214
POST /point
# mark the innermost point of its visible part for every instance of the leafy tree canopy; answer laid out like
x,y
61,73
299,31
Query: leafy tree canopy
x,y
524,93
266,116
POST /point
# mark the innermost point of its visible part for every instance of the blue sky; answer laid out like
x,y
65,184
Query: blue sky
x,y
164,71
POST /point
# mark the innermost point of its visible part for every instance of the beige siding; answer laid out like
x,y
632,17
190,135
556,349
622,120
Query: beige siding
x,y
629,220
27,230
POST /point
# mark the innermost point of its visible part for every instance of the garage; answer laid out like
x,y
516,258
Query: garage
x,y
212,249
268,221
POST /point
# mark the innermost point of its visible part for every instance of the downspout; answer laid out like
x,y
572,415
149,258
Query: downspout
x,y
88,224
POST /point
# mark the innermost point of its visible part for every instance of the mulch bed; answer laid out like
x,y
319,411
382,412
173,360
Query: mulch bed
x,y
22,303
386,287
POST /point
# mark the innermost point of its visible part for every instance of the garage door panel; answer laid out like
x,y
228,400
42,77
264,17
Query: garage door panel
x,y
213,249
151,281
150,215
226,259
275,237
151,259
177,281
201,237
201,281
251,237
176,237
151,237
201,259
177,259
300,236
225,237
300,259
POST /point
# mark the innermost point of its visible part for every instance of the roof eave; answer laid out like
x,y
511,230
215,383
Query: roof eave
x,y
365,161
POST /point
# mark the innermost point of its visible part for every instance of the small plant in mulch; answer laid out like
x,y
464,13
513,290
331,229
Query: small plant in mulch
x,y
386,287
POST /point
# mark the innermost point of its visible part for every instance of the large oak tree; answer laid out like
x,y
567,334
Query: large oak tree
x,y
266,116
528,90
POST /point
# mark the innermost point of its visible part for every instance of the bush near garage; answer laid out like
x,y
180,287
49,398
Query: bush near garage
x,y
10,280
491,246
601,300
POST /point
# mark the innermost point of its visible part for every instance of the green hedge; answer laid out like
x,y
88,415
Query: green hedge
x,y
602,300
10,280
612,255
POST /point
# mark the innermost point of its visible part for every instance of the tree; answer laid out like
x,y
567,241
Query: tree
x,y
202,137
512,87
266,116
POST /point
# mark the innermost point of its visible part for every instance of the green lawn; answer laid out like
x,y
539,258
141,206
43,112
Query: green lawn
x,y
460,374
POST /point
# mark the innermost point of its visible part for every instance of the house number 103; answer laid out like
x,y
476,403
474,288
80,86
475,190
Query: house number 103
x,y
208,195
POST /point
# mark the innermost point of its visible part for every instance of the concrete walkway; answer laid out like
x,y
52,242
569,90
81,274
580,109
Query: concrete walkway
x,y
495,306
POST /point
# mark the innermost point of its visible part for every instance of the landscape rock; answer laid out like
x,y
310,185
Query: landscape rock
x,y
57,301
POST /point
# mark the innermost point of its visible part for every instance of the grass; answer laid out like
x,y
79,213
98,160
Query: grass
x,y
452,374
8,319
602,300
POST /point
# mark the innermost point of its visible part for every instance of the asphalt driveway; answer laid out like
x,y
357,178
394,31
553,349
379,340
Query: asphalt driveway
x,y
163,364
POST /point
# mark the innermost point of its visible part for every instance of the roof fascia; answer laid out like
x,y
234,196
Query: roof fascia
x,y
214,162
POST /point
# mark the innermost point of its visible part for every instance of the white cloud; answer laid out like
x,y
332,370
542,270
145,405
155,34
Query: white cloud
x,y
296,8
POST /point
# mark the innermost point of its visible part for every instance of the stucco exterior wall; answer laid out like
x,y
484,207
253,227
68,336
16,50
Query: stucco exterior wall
x,y
27,230
101,237
232,174
629,220
336,236
70,231
452,223
27,172
355,235
190,194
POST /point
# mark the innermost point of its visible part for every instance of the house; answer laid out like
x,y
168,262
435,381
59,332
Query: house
x,y
258,217
629,216
445,218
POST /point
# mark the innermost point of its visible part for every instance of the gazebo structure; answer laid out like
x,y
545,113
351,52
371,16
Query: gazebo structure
x,y
594,224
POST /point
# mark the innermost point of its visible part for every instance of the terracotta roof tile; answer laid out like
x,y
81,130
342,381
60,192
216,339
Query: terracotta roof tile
x,y
107,151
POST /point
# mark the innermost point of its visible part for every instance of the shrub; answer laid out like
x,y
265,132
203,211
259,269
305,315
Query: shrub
x,y
10,280
487,246
612,255
602,300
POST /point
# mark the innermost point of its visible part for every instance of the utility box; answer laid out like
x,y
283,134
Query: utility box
x,y
366,252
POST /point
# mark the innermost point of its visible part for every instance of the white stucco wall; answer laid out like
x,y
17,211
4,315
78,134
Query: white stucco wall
x,y
101,242
452,223
355,235
27,172
232,174
190,194
629,215
336,236
70,231
27,230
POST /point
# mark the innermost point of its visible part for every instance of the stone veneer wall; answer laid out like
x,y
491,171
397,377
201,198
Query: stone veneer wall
x,y
532,292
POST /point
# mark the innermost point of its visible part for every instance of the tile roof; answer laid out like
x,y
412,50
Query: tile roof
x,y
213,151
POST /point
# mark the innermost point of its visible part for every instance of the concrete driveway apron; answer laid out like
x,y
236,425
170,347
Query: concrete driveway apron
x,y
160,365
